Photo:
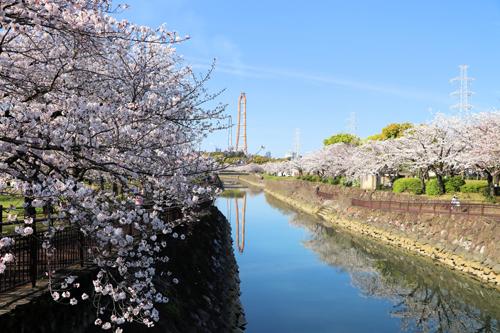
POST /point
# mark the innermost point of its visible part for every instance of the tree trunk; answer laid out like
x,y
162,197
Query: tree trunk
x,y
491,184
422,181
440,183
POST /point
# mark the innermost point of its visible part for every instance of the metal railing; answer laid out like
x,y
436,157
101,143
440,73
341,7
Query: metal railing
x,y
31,261
70,248
435,207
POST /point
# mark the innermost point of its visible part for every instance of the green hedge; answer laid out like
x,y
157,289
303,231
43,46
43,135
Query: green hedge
x,y
432,187
310,178
411,185
474,186
453,184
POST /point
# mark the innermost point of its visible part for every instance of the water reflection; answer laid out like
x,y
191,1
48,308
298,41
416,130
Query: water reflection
x,y
425,297
240,217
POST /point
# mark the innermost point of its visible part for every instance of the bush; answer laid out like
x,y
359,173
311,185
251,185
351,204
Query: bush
x,y
453,184
410,185
334,180
345,182
432,187
474,186
310,178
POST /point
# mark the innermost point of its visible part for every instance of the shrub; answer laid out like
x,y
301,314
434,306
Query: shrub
x,y
453,184
474,186
334,180
310,178
410,185
345,182
432,187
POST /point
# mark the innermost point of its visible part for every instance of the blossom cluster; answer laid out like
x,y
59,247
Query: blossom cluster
x,y
446,145
85,100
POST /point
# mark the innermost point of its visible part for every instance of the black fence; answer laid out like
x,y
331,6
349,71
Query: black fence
x,y
32,261
435,207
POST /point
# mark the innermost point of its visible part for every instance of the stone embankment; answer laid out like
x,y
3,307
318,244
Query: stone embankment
x,y
469,244
205,300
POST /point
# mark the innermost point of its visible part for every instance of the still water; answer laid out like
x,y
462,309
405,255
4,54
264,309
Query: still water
x,y
299,276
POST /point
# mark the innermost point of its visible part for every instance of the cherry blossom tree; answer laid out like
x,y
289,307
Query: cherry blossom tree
x,y
84,99
432,147
445,146
375,158
481,137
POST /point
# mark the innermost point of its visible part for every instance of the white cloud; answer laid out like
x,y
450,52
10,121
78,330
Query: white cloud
x,y
240,69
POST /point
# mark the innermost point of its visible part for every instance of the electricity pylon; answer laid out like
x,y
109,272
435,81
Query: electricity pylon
x,y
464,93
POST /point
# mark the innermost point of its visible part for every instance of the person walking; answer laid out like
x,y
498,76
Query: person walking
x,y
455,203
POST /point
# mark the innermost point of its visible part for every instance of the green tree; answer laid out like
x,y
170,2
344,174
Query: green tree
x,y
342,138
395,130
391,131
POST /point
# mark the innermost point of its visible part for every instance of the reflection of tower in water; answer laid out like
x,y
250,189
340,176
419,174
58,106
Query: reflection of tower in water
x,y
240,242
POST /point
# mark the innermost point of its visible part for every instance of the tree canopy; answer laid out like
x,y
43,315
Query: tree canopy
x,y
391,131
342,138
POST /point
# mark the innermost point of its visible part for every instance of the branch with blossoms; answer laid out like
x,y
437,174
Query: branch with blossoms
x,y
86,99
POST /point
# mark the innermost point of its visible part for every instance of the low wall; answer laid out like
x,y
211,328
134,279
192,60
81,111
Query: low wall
x,y
467,243
205,300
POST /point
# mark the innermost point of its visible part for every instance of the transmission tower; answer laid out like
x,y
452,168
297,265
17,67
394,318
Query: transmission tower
x,y
242,106
296,145
464,93
352,123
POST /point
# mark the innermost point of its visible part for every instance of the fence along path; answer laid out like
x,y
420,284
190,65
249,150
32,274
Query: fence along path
x,y
435,207
30,264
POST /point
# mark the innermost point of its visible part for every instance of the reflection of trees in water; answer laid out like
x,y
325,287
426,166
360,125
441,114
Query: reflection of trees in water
x,y
427,298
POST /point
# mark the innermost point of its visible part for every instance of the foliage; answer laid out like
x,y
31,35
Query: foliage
x,y
453,184
310,178
391,131
432,187
395,130
342,138
410,185
474,186
375,137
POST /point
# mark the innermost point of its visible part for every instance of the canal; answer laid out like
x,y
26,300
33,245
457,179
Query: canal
x,y
300,275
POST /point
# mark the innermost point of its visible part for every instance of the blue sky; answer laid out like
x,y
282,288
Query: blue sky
x,y
310,64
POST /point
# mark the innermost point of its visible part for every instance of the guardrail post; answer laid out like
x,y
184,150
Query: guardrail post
x,y
81,243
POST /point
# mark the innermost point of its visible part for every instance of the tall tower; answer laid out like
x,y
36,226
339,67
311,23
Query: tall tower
x,y
464,93
242,106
